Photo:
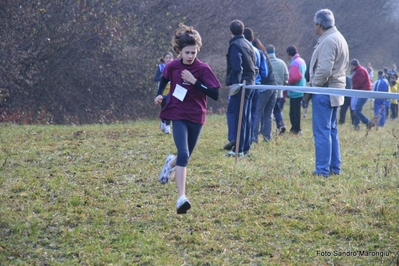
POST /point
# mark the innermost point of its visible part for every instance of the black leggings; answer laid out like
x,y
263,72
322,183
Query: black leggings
x,y
185,135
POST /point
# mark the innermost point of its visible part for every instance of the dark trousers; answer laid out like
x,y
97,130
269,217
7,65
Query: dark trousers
x,y
344,109
277,112
253,111
295,114
233,110
394,110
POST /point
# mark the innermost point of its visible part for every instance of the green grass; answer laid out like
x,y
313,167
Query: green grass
x,y
89,195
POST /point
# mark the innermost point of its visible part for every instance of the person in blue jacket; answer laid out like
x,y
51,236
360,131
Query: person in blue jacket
x,y
165,59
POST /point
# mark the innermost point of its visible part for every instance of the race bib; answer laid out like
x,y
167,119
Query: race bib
x,y
180,92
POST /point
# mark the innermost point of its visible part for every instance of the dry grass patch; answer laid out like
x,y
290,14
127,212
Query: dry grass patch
x,y
89,195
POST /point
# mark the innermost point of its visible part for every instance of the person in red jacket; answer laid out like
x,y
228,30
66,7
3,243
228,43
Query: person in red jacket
x,y
360,81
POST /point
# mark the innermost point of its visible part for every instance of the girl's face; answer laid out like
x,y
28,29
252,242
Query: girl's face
x,y
168,58
189,53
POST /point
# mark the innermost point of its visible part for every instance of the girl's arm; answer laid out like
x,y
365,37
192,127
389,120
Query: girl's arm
x,y
162,84
158,75
211,92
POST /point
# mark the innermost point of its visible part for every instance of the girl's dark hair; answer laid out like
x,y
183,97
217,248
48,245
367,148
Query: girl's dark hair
x,y
258,44
185,36
165,54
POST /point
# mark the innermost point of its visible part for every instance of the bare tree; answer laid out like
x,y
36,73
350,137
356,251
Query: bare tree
x,y
92,61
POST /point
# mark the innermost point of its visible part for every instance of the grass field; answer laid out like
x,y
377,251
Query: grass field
x,y
89,195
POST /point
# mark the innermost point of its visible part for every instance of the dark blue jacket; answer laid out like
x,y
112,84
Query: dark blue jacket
x,y
241,62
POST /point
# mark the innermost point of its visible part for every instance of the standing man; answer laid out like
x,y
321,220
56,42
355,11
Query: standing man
x,y
241,66
360,81
296,77
328,65
280,71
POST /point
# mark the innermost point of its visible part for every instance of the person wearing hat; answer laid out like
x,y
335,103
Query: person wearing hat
x,y
360,81
380,104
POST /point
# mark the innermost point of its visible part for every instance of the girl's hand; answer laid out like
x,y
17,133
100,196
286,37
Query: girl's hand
x,y
187,76
158,99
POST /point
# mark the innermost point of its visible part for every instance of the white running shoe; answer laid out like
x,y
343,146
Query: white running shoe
x,y
162,126
167,171
167,129
182,205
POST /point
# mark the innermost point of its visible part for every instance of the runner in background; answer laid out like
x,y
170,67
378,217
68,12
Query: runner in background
x,y
167,57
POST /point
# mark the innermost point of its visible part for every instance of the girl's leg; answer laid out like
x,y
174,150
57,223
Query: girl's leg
x,y
180,136
193,133
185,135
180,175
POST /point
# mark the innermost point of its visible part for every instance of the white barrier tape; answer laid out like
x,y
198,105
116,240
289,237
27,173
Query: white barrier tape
x,y
328,91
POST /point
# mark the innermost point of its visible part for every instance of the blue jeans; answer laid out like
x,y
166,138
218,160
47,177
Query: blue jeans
x,y
185,135
264,110
379,111
277,114
325,133
358,114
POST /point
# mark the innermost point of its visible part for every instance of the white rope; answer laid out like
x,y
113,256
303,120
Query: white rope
x,y
327,91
